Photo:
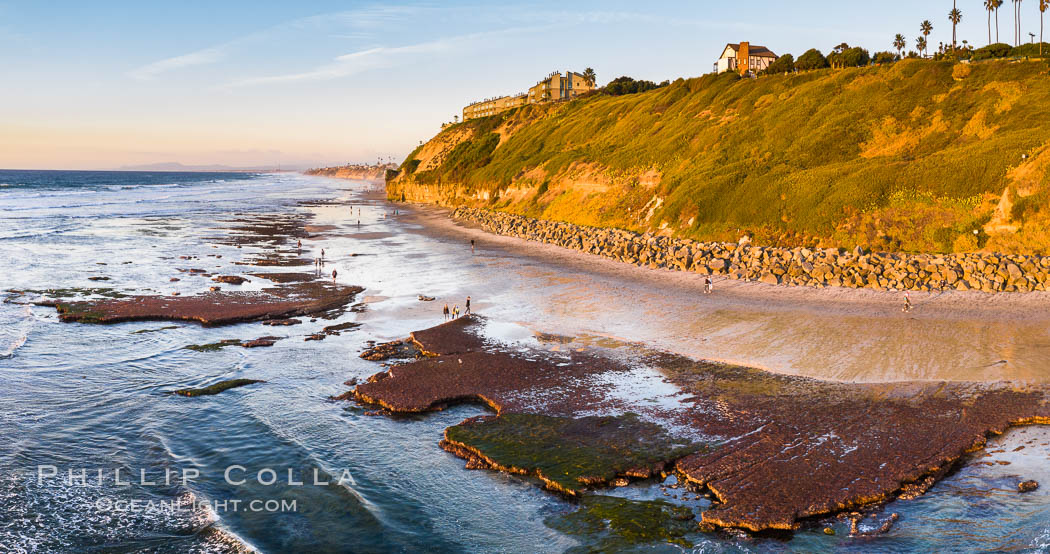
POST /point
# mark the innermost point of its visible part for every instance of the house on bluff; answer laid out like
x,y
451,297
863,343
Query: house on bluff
x,y
744,58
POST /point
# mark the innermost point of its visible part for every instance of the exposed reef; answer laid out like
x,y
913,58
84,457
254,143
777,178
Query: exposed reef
x,y
567,454
213,308
780,449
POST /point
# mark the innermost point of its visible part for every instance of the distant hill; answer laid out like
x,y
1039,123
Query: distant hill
x,y
914,155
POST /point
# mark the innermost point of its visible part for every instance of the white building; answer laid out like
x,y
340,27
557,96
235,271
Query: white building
x,y
744,58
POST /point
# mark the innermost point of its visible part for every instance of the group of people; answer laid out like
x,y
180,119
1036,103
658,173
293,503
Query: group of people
x,y
454,312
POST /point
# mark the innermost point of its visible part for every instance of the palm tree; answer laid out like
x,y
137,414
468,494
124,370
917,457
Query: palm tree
x,y
920,43
589,75
925,27
955,16
900,43
1043,6
989,6
1017,22
998,4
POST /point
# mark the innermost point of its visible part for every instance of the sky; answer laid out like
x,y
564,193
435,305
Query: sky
x,y
107,84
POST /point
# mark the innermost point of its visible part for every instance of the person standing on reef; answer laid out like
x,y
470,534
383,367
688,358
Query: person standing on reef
x,y
455,311
709,286
334,272
467,310
445,311
299,246
471,246
322,254
907,302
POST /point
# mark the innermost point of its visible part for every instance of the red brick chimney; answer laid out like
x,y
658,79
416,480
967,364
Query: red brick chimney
x,y
743,58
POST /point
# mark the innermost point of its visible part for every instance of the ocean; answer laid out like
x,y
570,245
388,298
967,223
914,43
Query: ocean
x,y
93,448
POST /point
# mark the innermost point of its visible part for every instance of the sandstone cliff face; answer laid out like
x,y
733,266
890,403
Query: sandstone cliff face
x,y
355,172
908,157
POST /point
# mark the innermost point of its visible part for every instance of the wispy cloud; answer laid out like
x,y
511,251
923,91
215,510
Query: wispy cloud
x,y
200,57
360,22
380,57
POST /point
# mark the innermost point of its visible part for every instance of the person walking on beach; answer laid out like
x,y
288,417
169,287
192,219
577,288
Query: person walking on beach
x,y
445,311
467,310
299,246
907,302
322,255
709,286
334,273
471,246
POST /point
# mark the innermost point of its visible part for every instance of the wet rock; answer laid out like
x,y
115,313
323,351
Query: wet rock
x,y
260,342
174,279
390,350
316,336
567,454
829,531
98,278
339,328
622,524
217,387
282,322
424,298
1027,486
214,308
230,279
214,289
858,444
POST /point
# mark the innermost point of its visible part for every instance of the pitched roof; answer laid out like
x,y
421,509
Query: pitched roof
x,y
754,50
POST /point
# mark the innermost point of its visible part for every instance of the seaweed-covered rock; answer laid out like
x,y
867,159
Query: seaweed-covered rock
x,y
613,524
567,454
217,387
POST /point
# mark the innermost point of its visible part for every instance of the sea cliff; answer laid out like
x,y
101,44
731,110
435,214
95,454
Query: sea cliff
x,y
358,172
914,156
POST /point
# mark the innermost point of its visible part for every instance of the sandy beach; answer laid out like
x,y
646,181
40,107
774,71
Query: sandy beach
x,y
833,333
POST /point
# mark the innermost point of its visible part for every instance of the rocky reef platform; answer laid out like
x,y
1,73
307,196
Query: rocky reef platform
x,y
773,450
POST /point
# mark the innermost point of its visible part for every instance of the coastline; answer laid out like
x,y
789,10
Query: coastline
x,y
827,267
829,300
831,334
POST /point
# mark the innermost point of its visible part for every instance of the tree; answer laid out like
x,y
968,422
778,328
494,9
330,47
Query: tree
x,y
920,43
783,64
849,57
1017,22
880,58
925,27
989,6
1043,5
899,43
589,76
811,59
627,85
955,16
998,4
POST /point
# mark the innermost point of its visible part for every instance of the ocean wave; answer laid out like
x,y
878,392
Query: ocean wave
x,y
15,345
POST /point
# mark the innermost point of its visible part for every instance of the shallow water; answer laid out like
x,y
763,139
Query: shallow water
x,y
82,396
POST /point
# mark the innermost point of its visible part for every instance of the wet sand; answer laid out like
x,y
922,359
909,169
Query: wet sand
x,y
855,335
